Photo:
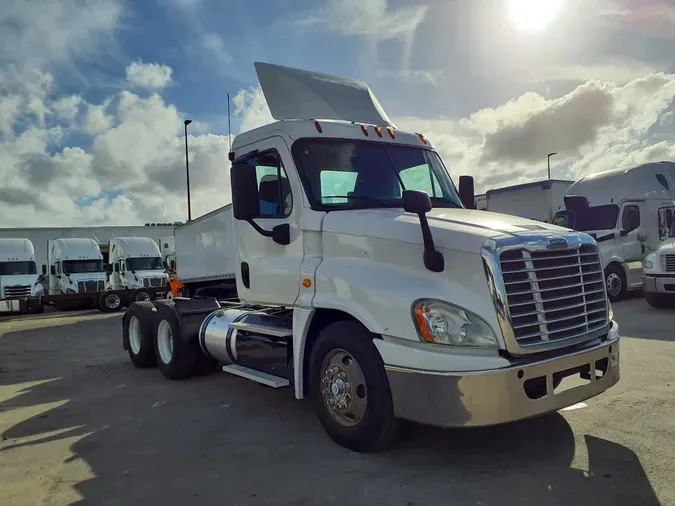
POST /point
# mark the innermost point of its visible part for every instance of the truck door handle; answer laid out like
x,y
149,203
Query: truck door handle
x,y
245,276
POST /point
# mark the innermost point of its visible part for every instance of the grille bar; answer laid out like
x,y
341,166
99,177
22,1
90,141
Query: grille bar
x,y
668,262
17,291
554,296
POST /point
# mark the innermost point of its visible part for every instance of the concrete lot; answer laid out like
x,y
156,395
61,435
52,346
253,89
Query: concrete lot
x,y
80,425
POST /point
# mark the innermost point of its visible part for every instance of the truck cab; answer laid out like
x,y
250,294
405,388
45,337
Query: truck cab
x,y
625,211
135,262
18,274
75,266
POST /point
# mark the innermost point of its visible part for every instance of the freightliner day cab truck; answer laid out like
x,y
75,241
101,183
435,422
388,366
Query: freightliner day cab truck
x,y
658,282
18,276
626,211
365,282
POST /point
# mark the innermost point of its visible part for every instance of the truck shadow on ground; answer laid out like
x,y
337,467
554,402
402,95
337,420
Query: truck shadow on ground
x,y
224,440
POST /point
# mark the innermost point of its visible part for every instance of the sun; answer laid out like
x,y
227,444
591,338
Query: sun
x,y
533,15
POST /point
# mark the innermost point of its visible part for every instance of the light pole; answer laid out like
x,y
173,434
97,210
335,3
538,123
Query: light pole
x,y
187,167
549,163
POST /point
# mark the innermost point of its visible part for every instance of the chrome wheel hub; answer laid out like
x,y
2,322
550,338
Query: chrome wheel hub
x,y
614,284
343,388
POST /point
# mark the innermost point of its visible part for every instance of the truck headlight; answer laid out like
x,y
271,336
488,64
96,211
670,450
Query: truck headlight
x,y
648,262
442,323
39,292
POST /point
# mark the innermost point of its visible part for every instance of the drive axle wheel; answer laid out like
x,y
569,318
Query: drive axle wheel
x,y
137,334
175,358
349,388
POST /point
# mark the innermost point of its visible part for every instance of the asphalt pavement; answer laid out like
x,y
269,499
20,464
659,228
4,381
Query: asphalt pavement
x,y
80,425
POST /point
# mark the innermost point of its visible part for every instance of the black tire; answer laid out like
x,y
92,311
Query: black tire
x,y
110,301
660,301
177,360
378,426
615,280
140,295
37,310
137,332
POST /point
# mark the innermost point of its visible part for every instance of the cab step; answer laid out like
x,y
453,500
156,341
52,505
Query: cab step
x,y
261,377
264,329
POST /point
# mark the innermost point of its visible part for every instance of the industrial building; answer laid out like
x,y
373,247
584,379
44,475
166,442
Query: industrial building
x,y
40,237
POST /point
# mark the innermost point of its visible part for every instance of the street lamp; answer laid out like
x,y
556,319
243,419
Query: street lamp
x,y
187,168
549,163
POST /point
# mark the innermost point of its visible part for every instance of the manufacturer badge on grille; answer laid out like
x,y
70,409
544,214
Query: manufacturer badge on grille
x,y
556,243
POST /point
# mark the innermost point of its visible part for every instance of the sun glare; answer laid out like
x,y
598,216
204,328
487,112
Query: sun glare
x,y
533,15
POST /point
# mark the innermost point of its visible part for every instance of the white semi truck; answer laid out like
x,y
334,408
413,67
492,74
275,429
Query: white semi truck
x,y
75,266
626,211
658,281
18,276
136,264
365,282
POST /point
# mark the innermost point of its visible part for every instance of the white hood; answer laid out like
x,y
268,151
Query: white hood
x,y
18,280
469,228
667,246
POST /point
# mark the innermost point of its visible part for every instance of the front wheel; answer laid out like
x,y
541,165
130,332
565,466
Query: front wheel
x,y
615,279
110,302
349,388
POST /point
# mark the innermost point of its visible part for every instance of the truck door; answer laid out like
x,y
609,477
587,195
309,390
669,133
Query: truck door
x,y
268,272
631,237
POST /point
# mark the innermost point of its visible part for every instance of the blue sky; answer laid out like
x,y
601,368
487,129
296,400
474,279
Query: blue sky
x,y
93,92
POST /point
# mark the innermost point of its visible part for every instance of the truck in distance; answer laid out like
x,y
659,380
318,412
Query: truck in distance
x,y
366,281
135,264
658,281
624,210
18,275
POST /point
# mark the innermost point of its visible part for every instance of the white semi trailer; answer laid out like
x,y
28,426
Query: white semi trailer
x,y
365,282
538,200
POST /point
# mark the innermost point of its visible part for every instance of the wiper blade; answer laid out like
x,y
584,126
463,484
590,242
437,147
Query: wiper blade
x,y
441,200
356,197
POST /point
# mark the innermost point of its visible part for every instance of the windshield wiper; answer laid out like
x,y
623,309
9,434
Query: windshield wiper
x,y
357,197
445,201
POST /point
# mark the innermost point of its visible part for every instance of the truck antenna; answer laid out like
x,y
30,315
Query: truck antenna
x,y
229,124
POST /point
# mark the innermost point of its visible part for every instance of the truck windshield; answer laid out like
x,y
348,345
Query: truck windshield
x,y
144,264
17,268
346,174
590,218
78,266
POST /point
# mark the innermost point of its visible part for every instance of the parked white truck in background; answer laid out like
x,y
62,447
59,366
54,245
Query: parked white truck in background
x,y
627,212
538,200
658,281
18,275
136,263
75,266
365,282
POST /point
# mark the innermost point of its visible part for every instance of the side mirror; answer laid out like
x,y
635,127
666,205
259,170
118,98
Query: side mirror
x,y
416,202
467,193
44,269
419,203
245,203
52,270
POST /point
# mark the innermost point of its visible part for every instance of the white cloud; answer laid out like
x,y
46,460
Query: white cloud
x,y
215,46
149,75
372,19
35,32
66,108
250,106
97,121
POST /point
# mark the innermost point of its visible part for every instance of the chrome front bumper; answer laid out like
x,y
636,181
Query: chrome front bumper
x,y
653,284
448,399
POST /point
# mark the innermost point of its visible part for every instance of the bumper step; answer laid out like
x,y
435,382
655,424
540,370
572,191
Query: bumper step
x,y
260,377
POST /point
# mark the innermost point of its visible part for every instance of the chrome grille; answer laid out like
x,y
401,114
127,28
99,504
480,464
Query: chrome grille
x,y
16,292
90,286
153,282
668,262
554,295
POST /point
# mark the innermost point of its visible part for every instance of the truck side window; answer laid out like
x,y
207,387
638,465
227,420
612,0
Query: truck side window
x,y
271,189
630,219
665,222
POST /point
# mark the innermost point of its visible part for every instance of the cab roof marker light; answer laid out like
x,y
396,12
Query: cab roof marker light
x,y
391,132
318,127
378,131
364,129
422,138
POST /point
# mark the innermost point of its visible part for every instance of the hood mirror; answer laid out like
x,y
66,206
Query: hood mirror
x,y
419,203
